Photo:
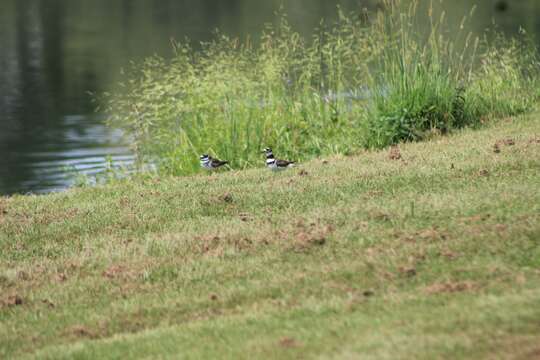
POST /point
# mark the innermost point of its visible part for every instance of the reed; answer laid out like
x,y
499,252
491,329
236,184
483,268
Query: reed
x,y
364,81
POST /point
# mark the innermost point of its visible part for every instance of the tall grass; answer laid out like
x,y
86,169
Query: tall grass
x,y
364,81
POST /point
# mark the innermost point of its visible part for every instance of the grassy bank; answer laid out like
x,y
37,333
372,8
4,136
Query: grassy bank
x,y
429,251
367,81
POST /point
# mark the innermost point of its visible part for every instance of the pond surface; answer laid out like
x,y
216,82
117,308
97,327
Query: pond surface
x,y
54,52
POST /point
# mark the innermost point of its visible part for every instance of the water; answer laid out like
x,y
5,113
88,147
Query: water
x,y
53,52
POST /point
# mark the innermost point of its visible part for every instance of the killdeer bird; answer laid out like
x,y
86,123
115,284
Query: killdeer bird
x,y
276,164
209,163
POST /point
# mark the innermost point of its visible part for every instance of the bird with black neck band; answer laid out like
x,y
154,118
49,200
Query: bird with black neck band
x,y
209,163
276,164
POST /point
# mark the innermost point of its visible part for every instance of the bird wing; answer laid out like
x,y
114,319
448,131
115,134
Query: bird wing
x,y
218,163
283,163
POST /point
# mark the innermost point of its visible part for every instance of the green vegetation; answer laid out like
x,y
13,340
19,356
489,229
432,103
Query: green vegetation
x,y
364,82
429,250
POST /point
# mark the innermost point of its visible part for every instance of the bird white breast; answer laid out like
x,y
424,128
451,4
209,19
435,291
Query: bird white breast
x,y
206,165
272,165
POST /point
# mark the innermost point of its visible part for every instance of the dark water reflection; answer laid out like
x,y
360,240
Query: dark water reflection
x,y
52,52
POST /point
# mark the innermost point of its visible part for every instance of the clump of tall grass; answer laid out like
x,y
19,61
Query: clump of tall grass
x,y
507,82
424,81
366,81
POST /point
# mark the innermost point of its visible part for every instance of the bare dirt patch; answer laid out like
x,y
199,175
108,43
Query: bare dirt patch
x,y
82,331
118,272
431,234
497,147
245,217
395,153
227,197
448,254
307,235
11,301
451,287
407,271
507,142
113,271
483,173
61,277
208,243
380,216
216,244
288,342
297,235
533,354
48,303
368,293
475,218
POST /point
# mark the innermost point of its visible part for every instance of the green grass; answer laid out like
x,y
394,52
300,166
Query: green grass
x,y
363,82
434,255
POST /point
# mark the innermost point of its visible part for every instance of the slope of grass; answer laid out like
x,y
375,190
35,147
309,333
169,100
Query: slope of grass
x,y
429,250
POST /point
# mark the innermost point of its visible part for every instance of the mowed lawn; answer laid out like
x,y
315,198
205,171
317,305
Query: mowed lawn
x,y
429,250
